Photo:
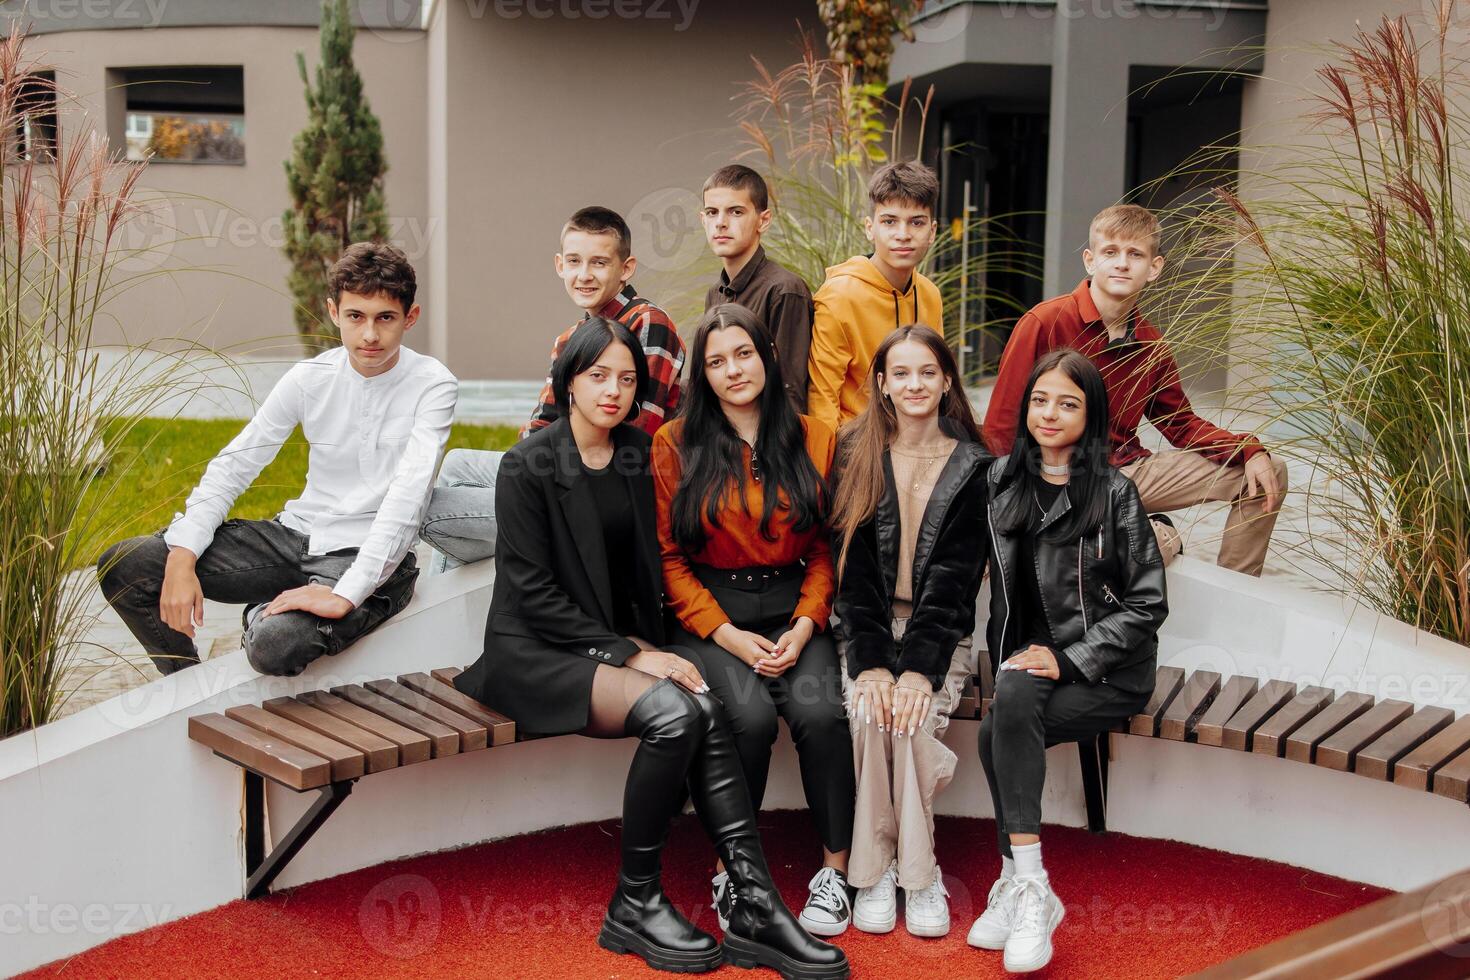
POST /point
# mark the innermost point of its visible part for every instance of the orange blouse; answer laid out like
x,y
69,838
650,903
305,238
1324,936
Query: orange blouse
x,y
737,542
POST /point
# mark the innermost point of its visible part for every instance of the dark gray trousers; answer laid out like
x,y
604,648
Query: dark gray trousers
x,y
1028,715
249,562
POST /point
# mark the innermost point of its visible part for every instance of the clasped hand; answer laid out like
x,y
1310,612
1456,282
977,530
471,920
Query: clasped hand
x,y
900,706
766,658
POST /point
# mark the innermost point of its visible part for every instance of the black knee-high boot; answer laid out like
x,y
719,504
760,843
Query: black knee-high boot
x,y
762,931
640,919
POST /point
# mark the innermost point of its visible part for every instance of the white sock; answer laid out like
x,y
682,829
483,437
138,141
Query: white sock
x,y
1007,867
1028,860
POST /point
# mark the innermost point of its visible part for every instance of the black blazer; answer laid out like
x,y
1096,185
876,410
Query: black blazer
x,y
949,561
550,612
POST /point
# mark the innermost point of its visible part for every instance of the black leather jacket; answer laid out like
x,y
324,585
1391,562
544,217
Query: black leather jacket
x,y
1103,592
949,560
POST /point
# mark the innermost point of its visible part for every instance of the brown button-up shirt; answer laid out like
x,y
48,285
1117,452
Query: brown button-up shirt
x,y
783,301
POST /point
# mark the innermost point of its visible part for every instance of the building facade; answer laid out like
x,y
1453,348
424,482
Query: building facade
x,y
501,117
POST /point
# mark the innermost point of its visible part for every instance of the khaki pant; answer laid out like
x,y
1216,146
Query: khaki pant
x,y
897,780
1181,478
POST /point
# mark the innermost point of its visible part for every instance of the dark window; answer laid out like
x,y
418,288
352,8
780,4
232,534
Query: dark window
x,y
35,124
186,114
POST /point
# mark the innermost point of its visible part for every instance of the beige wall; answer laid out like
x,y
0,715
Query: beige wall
x,y
497,123
216,230
1299,35
543,116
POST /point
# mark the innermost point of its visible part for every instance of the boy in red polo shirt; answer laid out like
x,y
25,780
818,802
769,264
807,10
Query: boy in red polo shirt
x,y
1100,318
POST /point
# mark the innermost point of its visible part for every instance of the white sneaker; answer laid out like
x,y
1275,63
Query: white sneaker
x,y
828,908
724,899
876,908
926,910
1036,915
993,928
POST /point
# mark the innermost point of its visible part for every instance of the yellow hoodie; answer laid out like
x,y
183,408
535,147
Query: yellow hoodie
x,y
854,310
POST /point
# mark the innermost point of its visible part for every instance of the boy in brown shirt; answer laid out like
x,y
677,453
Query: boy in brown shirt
x,y
736,213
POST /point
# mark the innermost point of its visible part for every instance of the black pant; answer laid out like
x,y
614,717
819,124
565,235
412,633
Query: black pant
x,y
1029,714
808,696
248,562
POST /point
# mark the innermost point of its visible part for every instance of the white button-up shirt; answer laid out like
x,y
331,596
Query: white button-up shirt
x,y
375,444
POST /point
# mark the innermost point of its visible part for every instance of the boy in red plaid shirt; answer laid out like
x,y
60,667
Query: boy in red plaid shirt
x,y
595,264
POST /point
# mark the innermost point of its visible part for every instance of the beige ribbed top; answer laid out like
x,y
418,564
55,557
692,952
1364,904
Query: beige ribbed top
x,y
914,477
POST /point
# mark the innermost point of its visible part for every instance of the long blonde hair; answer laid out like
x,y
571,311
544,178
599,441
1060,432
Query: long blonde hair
x,y
861,481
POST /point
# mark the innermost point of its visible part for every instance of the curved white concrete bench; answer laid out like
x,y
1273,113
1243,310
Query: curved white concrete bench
x,y
126,822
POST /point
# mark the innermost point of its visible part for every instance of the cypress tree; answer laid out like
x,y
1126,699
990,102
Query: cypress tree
x,y
335,177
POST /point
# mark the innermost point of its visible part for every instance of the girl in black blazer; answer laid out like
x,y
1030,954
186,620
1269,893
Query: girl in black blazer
x,y
573,644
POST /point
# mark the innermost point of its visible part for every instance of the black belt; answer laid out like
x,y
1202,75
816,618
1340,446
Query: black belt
x,y
749,579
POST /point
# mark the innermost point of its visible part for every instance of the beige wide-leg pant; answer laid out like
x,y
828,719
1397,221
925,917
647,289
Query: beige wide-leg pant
x,y
1182,478
897,781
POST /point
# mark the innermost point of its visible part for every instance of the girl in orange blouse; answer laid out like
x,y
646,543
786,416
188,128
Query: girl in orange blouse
x,y
740,480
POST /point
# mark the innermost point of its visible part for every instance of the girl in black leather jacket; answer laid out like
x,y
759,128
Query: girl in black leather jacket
x,y
1077,598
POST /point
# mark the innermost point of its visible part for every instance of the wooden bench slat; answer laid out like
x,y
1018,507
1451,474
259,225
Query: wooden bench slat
x,y
280,760
502,731
1453,778
1301,745
1415,934
1236,692
1241,728
1417,769
1270,738
1339,751
968,705
1193,701
1167,684
413,747
347,762
443,740
378,752
446,674
472,734
1376,760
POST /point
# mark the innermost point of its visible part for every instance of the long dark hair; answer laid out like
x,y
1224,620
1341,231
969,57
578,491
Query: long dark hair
x,y
867,437
1088,486
711,453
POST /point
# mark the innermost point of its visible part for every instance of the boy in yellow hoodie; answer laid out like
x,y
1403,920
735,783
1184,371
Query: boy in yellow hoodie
x,y
865,298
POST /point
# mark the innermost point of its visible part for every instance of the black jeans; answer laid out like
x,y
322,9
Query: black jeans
x,y
1029,714
808,696
249,562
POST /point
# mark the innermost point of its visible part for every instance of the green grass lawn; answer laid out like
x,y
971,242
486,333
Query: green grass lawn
x,y
159,461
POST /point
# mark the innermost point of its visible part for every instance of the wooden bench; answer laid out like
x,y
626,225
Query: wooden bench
x,y
1427,750
325,741
1418,935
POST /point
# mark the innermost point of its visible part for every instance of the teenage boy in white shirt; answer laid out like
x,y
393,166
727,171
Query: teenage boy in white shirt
x,y
337,561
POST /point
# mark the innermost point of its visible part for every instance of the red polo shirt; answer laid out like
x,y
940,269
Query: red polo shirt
x,y
1139,372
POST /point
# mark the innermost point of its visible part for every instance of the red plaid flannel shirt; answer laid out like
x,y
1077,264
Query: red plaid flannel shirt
x,y
661,343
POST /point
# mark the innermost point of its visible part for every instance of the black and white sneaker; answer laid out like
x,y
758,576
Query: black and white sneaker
x,y
829,906
724,899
